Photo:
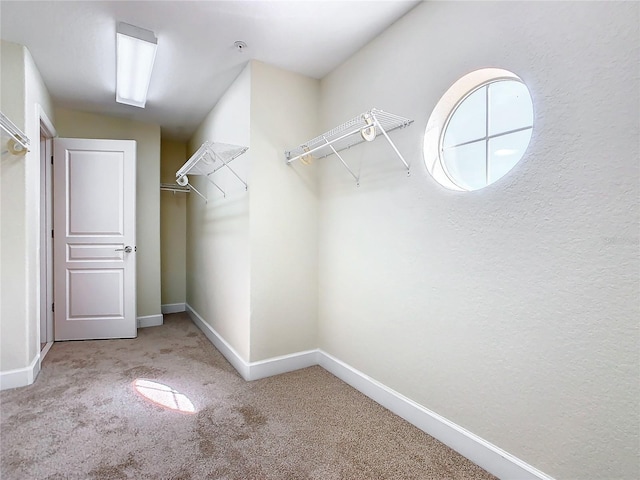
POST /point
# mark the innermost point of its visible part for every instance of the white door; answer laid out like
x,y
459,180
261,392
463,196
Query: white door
x,y
94,238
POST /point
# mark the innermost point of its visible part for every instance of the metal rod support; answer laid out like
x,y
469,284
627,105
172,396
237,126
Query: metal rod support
x,y
375,119
246,187
215,185
344,163
196,190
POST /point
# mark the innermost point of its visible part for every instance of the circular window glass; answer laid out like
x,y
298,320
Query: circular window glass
x,y
479,130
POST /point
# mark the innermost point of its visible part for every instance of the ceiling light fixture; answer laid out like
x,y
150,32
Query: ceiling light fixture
x,y
135,52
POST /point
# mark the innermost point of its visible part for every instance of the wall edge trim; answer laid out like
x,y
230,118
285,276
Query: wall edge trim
x,y
20,377
45,350
173,308
220,343
283,364
150,321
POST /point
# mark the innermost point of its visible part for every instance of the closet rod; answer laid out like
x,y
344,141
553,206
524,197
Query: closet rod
x,y
171,187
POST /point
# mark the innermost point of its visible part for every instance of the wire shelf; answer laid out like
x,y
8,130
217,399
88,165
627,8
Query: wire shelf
x,y
365,127
207,160
18,143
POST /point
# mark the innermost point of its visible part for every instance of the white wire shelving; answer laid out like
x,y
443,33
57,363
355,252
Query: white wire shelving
x,y
18,142
207,160
365,127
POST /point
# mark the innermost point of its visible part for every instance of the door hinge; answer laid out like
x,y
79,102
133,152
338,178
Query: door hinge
x,y
52,234
51,159
53,307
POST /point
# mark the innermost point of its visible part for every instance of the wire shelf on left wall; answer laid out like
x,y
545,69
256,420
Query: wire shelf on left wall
x,y
208,159
18,142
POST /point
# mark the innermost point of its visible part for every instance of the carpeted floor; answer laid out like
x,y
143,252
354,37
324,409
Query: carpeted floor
x,y
84,419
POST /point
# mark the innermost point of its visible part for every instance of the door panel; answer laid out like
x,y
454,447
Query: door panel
x,y
95,190
94,222
106,252
84,305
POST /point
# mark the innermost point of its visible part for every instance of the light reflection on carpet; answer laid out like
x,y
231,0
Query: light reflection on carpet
x,y
163,395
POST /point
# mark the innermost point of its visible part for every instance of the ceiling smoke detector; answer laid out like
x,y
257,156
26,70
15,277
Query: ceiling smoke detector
x,y
240,46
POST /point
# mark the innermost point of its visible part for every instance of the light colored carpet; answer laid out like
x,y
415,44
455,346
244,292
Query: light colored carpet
x,y
84,419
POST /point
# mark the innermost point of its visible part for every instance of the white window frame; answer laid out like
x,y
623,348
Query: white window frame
x,y
445,110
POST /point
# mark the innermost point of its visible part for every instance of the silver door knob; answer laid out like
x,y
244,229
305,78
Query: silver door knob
x,y
126,249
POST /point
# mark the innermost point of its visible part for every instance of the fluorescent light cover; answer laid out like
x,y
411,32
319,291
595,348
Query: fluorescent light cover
x,y
136,52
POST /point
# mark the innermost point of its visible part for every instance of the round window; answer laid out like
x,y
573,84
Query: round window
x,y
479,130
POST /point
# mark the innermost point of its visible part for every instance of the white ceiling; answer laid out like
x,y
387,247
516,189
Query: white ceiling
x,y
73,45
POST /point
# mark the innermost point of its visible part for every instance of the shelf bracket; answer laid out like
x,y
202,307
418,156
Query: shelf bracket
x,y
226,164
357,179
196,190
395,149
216,185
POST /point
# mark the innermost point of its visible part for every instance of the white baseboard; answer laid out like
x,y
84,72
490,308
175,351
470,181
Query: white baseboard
x,y
254,370
150,321
488,456
45,350
283,364
493,459
20,377
173,308
220,343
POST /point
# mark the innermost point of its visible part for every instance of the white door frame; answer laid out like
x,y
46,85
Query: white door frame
x,y
45,270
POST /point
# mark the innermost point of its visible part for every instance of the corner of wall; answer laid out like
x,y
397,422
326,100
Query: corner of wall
x,y
283,214
217,243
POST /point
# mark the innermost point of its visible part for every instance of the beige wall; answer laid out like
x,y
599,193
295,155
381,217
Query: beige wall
x,y
283,214
218,231
173,225
13,82
74,124
252,257
13,328
513,310
23,93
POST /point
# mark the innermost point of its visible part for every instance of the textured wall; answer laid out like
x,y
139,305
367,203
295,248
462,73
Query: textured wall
x,y
73,124
512,311
284,213
22,91
173,225
218,231
13,295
